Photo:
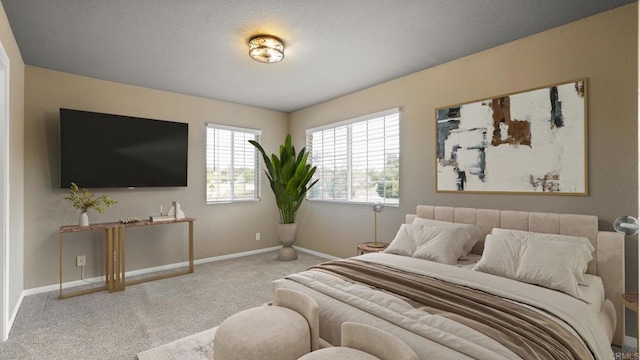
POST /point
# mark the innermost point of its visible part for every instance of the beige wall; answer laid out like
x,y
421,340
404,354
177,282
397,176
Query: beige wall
x,y
602,48
16,162
219,229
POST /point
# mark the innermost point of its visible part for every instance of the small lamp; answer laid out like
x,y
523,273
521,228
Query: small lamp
x,y
266,49
627,225
377,207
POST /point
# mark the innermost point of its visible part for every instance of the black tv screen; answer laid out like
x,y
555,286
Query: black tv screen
x,y
103,151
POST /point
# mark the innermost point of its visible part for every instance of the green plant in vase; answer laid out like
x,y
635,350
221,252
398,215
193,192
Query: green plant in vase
x,y
290,178
86,201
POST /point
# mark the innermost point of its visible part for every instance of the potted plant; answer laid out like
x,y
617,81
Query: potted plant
x,y
289,176
86,201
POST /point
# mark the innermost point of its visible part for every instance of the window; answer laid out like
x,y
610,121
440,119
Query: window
x,y
357,160
232,164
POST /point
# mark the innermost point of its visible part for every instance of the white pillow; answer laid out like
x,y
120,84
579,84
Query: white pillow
x,y
473,231
550,264
500,257
519,234
439,244
404,243
542,236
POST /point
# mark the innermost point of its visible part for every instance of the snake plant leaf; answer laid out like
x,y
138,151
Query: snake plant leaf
x,y
270,171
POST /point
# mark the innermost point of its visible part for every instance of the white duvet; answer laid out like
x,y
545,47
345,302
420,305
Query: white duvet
x,y
433,336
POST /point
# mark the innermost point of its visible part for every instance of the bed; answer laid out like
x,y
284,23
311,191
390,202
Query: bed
x,y
452,311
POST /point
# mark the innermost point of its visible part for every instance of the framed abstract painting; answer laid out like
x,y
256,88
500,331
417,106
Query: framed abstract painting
x,y
531,142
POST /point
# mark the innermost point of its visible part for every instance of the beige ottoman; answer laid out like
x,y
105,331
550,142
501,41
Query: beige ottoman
x,y
363,342
286,330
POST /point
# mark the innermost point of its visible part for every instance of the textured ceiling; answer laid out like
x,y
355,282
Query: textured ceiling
x,y
333,47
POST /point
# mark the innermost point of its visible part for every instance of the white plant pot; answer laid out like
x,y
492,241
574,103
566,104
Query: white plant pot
x,y
83,220
287,236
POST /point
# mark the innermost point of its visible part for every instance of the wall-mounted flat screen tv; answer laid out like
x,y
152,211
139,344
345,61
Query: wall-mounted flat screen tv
x,y
107,151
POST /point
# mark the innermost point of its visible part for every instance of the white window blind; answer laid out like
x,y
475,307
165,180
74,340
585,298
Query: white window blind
x,y
357,160
232,164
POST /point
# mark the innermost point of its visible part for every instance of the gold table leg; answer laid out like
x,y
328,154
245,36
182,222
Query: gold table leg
x,y
107,277
91,290
115,258
60,259
109,259
190,246
119,258
122,268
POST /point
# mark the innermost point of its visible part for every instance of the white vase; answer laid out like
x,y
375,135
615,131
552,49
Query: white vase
x,y
83,220
287,236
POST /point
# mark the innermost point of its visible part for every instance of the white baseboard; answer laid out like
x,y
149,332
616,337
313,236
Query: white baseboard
x,y
236,255
316,253
75,283
69,284
14,313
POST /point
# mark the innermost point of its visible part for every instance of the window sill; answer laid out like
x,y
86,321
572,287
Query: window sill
x,y
354,202
219,202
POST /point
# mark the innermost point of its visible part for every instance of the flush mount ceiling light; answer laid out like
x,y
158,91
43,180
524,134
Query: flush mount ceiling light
x,y
266,49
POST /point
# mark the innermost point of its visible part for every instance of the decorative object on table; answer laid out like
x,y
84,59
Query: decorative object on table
x,y
532,142
129,220
155,218
377,207
626,225
86,201
179,212
289,176
176,211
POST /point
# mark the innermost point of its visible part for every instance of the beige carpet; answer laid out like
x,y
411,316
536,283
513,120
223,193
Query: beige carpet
x,y
194,347
117,326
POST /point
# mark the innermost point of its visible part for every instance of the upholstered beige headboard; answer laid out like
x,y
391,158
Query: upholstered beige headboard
x,y
609,259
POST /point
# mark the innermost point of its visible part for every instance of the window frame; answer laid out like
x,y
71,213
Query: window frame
x,y
257,192
349,177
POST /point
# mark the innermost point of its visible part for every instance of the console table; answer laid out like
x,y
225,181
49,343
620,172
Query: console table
x,y
114,249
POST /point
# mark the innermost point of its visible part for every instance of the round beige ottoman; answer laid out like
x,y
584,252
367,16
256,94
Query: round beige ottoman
x,y
262,333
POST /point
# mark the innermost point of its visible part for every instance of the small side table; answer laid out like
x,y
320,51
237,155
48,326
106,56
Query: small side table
x,y
365,248
629,301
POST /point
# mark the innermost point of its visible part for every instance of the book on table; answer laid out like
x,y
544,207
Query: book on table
x,y
155,218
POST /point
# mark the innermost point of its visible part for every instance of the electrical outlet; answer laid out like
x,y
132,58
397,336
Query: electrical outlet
x,y
257,236
81,261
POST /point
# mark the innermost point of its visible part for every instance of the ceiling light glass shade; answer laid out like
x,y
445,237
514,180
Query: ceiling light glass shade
x,y
266,49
